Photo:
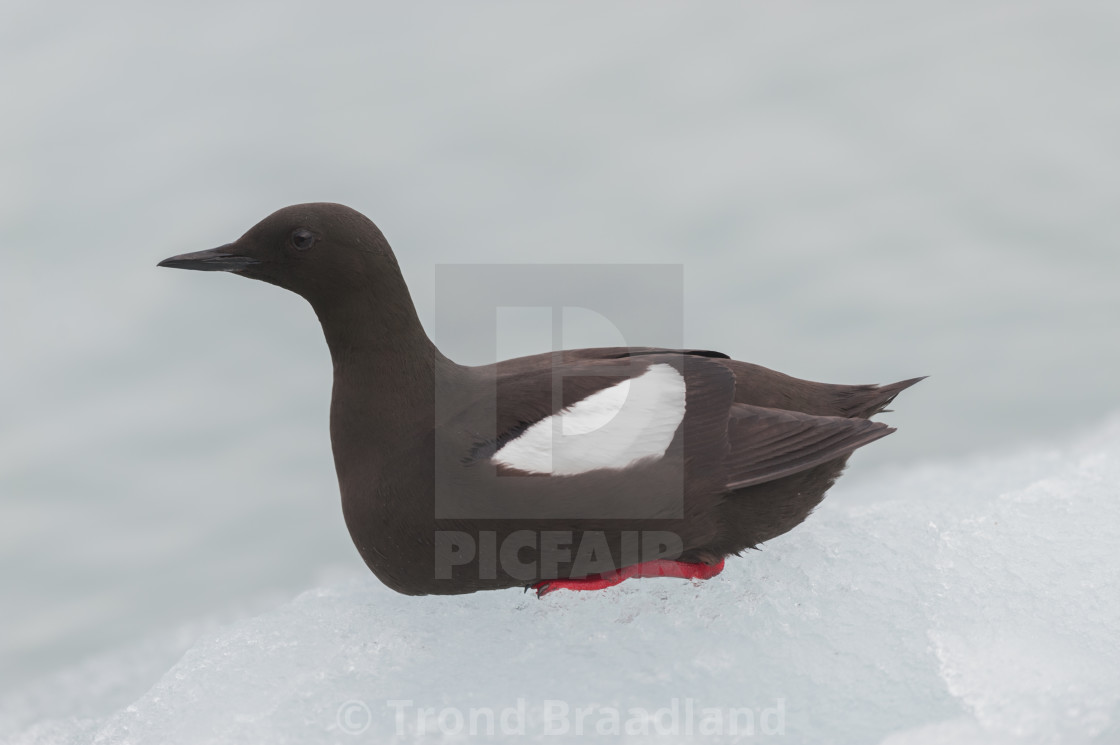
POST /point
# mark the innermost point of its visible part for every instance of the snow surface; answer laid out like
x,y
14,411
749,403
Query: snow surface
x,y
958,603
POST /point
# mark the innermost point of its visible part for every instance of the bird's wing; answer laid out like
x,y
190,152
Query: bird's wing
x,y
606,412
767,444
617,408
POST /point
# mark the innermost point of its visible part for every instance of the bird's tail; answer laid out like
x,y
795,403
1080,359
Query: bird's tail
x,y
865,401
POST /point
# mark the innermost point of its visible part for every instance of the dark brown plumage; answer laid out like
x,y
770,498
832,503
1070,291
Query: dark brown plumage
x,y
415,435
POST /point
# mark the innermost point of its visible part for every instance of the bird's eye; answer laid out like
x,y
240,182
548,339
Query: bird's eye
x,y
303,239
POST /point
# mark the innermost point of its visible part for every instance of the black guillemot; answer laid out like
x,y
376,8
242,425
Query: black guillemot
x,y
568,470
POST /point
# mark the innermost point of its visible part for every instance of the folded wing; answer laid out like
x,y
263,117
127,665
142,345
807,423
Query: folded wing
x,y
767,444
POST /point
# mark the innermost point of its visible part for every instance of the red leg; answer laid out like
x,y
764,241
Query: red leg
x,y
655,568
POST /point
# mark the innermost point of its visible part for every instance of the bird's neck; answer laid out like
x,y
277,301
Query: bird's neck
x,y
385,375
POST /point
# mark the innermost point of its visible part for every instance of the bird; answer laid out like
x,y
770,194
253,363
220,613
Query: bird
x,y
571,470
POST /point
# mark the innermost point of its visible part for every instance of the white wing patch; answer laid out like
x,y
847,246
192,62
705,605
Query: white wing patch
x,y
611,428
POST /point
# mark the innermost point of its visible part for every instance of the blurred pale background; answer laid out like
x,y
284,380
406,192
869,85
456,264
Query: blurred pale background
x,y
858,192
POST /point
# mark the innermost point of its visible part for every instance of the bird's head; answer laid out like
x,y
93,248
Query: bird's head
x,y
319,250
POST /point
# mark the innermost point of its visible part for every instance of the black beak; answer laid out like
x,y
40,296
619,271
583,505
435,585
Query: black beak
x,y
218,259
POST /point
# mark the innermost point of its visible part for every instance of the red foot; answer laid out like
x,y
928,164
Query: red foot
x,y
655,568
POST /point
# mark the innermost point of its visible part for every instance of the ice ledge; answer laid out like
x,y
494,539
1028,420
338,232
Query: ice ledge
x,y
967,602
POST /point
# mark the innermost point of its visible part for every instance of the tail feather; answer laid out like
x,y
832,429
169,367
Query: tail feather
x,y
865,401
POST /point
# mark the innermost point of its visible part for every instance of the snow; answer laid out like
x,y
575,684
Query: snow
x,y
960,602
